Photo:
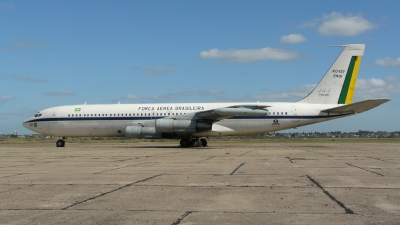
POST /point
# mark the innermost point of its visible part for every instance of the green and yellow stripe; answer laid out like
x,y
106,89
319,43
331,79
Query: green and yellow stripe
x,y
346,96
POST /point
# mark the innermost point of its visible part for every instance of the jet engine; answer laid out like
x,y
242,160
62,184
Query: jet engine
x,y
181,126
138,131
165,127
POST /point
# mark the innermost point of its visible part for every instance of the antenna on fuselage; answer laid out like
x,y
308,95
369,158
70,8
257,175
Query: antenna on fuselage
x,y
84,103
119,102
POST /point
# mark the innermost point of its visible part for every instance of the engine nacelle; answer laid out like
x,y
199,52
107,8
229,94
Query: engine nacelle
x,y
138,131
180,126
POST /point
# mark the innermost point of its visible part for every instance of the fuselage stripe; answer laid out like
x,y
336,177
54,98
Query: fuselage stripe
x,y
153,118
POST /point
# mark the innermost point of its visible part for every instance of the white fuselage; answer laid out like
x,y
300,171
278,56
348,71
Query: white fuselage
x,y
111,120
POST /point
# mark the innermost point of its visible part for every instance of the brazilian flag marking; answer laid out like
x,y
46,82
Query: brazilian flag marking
x,y
349,84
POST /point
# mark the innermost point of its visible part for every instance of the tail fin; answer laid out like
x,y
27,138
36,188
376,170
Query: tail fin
x,y
338,84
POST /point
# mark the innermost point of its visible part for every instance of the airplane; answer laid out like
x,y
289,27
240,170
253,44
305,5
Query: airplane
x,y
194,123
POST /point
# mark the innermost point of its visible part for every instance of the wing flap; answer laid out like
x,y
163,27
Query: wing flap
x,y
357,107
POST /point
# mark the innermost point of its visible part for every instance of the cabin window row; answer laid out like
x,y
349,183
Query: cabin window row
x,y
125,114
149,114
277,113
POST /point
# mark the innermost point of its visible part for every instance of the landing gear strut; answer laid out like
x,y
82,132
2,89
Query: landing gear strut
x,y
60,142
193,142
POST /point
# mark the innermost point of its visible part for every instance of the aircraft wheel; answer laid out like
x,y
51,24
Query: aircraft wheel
x,y
60,143
185,143
196,143
203,142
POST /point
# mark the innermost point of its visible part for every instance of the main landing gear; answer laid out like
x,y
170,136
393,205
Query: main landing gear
x,y
193,142
60,142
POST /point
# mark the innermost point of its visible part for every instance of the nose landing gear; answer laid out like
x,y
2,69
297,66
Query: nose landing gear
x,y
60,142
193,142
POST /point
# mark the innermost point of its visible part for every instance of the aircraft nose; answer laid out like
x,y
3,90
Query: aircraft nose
x,y
25,124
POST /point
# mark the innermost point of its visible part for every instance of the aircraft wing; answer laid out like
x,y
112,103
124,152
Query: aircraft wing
x,y
218,114
357,107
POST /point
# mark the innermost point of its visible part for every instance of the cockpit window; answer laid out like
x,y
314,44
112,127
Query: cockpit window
x,y
38,115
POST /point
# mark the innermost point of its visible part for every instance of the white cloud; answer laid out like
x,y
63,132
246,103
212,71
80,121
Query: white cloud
x,y
309,24
26,43
23,78
58,93
377,88
295,93
6,5
344,25
4,99
387,61
132,97
250,55
293,39
210,92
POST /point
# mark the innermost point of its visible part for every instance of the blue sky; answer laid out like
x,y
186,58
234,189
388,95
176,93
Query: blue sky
x,y
56,53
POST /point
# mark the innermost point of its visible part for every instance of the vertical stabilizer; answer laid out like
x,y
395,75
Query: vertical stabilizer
x,y
338,84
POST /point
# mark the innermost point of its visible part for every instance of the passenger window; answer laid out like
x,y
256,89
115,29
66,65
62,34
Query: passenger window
x,y
68,115
285,113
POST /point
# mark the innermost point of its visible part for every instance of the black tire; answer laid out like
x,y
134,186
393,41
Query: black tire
x,y
196,143
185,143
203,142
60,143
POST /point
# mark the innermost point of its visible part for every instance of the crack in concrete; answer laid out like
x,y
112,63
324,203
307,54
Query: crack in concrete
x,y
237,168
316,152
120,167
382,160
365,169
179,220
121,160
347,210
244,153
205,159
108,192
289,159
14,189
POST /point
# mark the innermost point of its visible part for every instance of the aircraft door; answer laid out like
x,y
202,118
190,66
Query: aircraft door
x,y
53,121
295,112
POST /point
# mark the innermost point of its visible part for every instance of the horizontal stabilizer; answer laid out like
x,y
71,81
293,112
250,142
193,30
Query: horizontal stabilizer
x,y
357,107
